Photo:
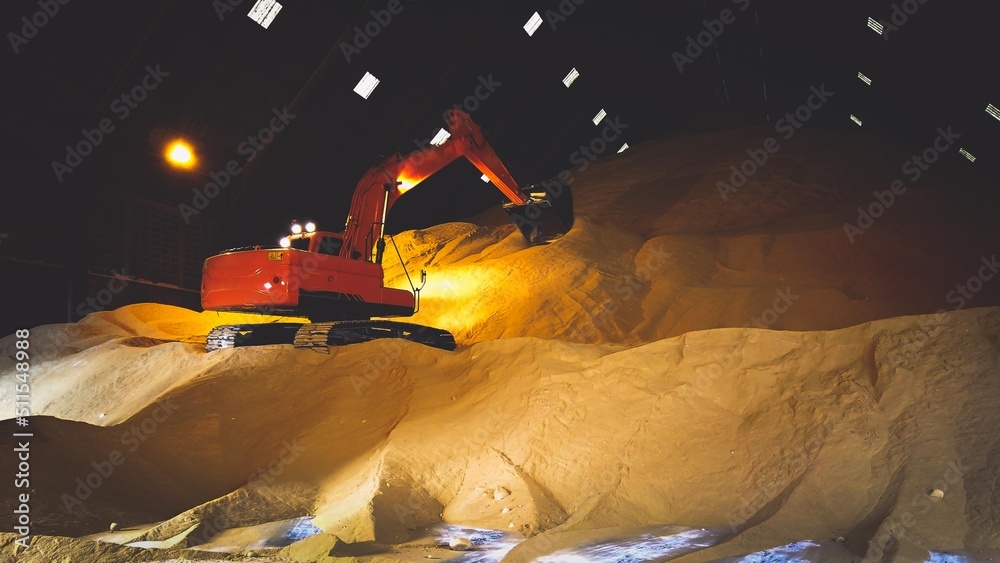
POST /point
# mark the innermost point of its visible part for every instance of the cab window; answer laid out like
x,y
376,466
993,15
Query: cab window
x,y
330,245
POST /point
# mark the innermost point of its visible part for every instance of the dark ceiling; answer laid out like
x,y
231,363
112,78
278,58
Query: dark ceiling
x,y
226,75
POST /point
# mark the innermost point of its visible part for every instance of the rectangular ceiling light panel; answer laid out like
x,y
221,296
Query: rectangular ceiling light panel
x,y
440,137
571,77
992,110
533,24
366,85
264,12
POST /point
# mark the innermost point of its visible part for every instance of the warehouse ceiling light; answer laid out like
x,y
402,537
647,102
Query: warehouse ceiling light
x,y
875,26
440,137
600,115
571,78
532,26
865,79
264,12
366,85
992,110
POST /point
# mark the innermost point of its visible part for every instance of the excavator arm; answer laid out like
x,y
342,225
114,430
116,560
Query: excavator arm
x,y
467,141
382,185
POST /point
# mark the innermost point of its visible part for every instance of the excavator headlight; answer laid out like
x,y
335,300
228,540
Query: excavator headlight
x,y
310,227
296,228
285,242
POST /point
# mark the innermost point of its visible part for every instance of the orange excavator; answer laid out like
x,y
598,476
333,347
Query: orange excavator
x,y
336,280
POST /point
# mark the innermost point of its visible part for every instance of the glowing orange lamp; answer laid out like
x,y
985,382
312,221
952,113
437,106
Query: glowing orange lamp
x,y
180,155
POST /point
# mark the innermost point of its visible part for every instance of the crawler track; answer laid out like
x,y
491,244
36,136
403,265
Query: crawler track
x,y
323,335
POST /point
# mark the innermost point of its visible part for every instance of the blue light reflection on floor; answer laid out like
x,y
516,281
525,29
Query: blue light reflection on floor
x,y
300,529
937,557
646,547
488,546
791,553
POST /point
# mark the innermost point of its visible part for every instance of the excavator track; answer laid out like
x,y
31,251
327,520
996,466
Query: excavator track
x,y
320,336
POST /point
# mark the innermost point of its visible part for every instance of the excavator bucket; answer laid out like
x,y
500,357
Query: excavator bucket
x,y
547,215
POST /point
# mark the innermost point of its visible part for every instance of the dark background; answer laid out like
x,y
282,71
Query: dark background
x,y
116,213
